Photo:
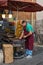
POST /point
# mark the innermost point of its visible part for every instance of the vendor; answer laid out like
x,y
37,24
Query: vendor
x,y
27,33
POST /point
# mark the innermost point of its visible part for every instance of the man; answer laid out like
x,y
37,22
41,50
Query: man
x,y
28,35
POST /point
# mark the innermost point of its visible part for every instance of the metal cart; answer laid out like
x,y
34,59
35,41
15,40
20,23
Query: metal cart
x,y
19,48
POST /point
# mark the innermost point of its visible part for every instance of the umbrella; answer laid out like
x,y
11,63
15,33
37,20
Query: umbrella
x,y
3,4
24,6
17,5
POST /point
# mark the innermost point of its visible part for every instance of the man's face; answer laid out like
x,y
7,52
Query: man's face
x,y
24,24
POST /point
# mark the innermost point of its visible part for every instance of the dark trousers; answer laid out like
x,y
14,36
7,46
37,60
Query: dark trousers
x,y
29,42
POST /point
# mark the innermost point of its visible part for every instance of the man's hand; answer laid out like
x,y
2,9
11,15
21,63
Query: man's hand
x,y
24,36
20,38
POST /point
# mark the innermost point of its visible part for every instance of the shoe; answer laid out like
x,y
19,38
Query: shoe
x,y
29,52
29,57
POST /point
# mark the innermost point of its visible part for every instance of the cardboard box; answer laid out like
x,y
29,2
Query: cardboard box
x,y
8,53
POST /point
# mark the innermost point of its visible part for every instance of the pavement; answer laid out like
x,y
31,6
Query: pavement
x,y
37,58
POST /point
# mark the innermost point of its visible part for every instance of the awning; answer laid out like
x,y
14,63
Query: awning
x,y
20,6
3,3
25,6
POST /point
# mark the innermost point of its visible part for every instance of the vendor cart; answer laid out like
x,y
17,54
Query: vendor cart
x,y
18,45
